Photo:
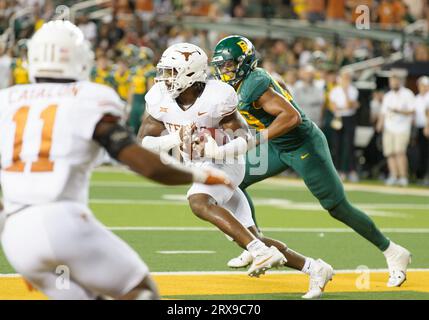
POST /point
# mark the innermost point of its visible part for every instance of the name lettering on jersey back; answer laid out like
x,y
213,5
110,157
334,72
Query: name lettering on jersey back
x,y
18,95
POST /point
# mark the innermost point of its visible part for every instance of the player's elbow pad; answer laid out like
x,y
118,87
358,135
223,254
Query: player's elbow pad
x,y
161,144
115,139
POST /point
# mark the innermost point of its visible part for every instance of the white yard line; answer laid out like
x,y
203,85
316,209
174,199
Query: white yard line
x,y
272,229
187,252
203,273
283,203
124,184
271,183
136,202
147,184
353,187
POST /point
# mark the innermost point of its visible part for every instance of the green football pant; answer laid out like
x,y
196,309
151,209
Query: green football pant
x,y
313,162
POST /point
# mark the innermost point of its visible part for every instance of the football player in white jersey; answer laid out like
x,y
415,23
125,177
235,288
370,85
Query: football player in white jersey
x,y
51,133
183,101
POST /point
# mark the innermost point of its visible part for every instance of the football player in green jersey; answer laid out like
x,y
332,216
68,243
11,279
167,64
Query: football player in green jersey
x,y
292,140
141,81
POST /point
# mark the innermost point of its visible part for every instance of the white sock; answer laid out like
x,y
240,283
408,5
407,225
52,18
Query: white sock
x,y
308,265
391,250
146,295
255,247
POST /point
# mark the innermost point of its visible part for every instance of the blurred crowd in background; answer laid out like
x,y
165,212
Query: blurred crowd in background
x,y
128,42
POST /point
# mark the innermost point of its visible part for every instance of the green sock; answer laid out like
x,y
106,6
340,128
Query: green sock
x,y
361,223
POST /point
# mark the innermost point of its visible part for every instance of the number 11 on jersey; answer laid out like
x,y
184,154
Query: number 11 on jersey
x,y
42,164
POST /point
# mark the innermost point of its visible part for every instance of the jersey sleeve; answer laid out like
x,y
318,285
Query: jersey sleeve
x,y
254,86
153,99
95,102
229,103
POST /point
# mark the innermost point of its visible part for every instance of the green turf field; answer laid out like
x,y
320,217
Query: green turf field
x,y
156,221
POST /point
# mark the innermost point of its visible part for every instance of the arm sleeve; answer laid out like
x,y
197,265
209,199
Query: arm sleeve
x,y
162,143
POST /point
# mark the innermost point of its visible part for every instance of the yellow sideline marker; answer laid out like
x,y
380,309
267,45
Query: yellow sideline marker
x,y
230,284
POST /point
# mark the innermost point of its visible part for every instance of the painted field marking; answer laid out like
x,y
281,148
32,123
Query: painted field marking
x,y
171,285
362,187
279,203
187,252
235,283
269,229
288,182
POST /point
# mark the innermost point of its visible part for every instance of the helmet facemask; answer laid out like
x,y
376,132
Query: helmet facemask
x,y
226,71
168,77
231,71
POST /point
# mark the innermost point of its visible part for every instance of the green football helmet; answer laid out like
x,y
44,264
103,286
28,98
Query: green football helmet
x,y
233,59
130,53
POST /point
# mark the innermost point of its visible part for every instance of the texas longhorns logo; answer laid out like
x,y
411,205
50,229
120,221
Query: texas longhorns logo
x,y
188,54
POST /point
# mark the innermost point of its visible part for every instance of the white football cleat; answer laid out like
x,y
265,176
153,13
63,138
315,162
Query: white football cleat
x,y
320,275
243,260
397,262
266,259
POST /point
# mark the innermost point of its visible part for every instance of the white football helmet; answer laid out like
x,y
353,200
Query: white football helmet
x,y
180,66
58,50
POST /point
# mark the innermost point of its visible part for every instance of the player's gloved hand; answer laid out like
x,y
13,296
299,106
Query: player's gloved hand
x,y
211,176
